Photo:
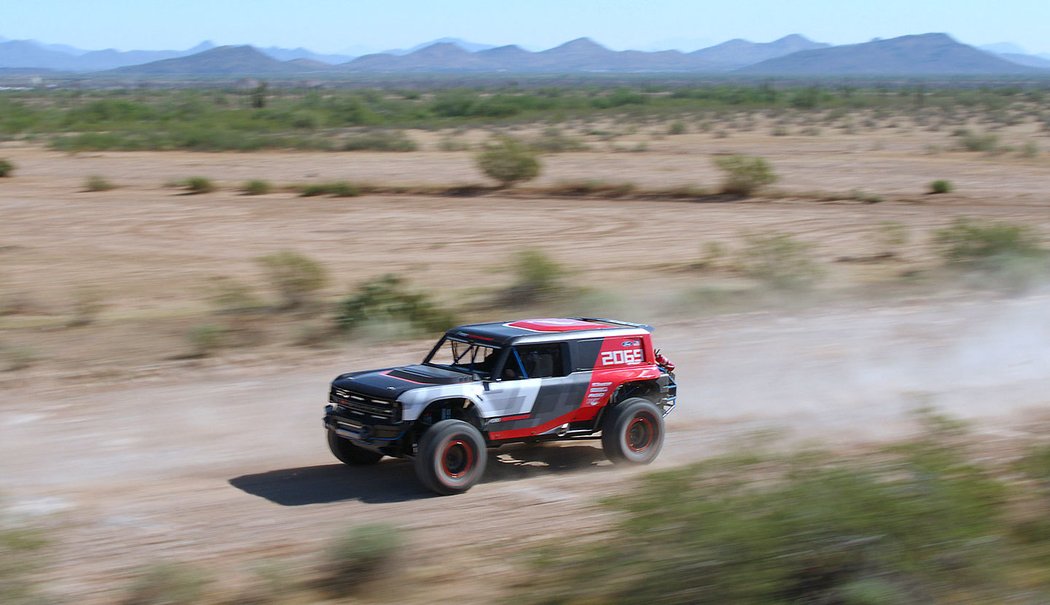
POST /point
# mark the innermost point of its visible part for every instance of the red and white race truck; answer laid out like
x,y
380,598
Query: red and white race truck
x,y
485,385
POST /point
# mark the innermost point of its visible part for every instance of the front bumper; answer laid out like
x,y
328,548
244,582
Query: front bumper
x,y
361,430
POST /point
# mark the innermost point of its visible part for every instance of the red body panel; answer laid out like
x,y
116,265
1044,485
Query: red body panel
x,y
621,359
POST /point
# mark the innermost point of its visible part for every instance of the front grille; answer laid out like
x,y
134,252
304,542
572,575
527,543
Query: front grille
x,y
372,408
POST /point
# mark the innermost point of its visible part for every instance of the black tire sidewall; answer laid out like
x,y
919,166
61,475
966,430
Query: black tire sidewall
x,y
429,457
348,453
615,433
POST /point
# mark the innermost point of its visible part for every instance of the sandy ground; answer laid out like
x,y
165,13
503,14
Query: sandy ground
x,y
223,462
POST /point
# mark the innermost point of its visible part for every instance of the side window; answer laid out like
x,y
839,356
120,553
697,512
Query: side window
x,y
585,354
535,361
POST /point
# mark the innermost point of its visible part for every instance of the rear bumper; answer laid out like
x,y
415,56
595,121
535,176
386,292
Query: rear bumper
x,y
668,394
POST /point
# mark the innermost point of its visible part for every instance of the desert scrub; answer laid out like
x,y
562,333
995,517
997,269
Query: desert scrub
x,y
195,185
333,189
256,187
167,584
592,188
508,161
744,175
388,300
1014,254
537,278
20,555
361,555
6,168
974,141
295,277
98,183
941,186
779,261
553,140
917,522
394,140
204,340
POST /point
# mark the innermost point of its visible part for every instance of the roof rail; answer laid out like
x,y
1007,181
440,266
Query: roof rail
x,y
617,322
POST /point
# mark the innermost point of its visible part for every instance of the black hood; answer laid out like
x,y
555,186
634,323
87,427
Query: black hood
x,y
390,383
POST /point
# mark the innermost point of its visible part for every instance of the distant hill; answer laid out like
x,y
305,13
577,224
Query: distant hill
x,y
59,57
219,61
739,53
926,54
28,54
291,54
576,56
793,55
467,45
1029,60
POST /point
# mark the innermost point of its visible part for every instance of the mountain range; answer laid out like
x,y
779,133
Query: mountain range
x,y
794,55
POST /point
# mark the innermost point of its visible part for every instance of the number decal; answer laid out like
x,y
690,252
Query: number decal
x,y
628,357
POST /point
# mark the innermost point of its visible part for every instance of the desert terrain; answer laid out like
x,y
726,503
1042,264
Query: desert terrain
x,y
134,451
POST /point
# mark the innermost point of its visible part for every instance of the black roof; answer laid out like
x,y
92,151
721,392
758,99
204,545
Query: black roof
x,y
505,333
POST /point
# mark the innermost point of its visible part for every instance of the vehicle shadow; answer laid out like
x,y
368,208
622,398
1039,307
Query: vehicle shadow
x,y
395,480
386,482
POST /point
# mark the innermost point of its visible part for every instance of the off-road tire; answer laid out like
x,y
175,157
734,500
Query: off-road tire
x,y
348,453
633,432
451,457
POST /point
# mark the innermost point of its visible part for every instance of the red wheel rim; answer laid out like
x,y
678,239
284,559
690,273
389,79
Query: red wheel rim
x,y
640,433
457,458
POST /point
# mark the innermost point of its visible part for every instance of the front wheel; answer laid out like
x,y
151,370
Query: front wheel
x,y
451,457
633,432
348,453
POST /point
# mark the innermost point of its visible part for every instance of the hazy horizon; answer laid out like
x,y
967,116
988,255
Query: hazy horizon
x,y
333,26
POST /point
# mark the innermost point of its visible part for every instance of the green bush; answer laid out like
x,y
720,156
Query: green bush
x,y
387,299
537,278
6,168
358,557
167,584
553,140
256,187
334,189
916,523
294,276
98,183
593,188
197,185
973,141
778,260
20,554
744,175
229,296
677,128
508,161
1013,252
204,340
941,186
980,243
380,141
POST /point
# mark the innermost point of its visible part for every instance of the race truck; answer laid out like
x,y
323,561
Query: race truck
x,y
489,384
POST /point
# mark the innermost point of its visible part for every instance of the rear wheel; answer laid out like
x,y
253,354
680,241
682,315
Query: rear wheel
x,y
451,457
633,432
348,453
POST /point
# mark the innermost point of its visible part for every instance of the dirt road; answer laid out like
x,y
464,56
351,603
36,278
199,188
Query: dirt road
x,y
229,468
222,462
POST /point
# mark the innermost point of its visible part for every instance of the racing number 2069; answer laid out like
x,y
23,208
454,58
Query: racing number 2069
x,y
627,357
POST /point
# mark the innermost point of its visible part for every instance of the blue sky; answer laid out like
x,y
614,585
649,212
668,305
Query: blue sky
x,y
339,25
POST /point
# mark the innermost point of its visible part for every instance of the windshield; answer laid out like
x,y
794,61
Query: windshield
x,y
464,356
